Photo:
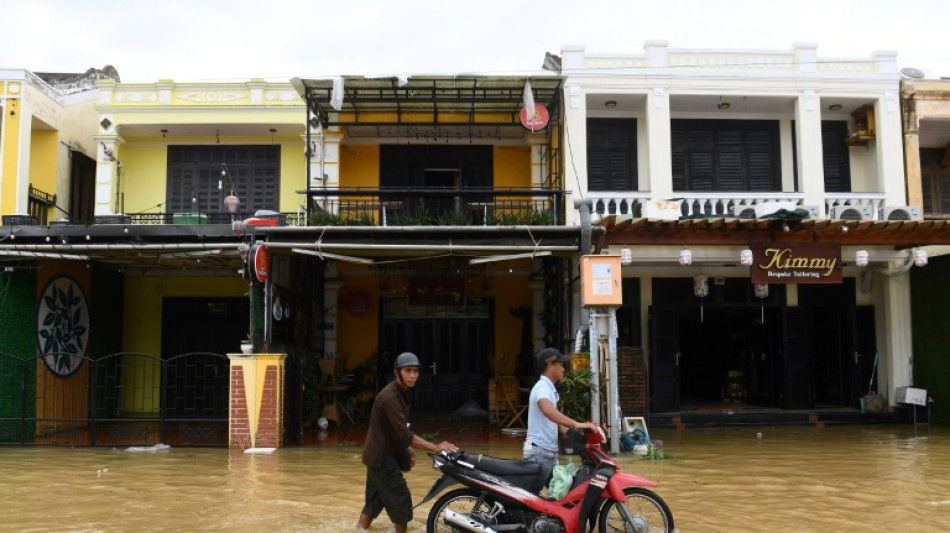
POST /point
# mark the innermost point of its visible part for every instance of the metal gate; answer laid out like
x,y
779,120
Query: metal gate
x,y
122,399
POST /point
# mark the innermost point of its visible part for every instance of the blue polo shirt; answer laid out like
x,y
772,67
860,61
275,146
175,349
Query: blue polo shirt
x,y
541,430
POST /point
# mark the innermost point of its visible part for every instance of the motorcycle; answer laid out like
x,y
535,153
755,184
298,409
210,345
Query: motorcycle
x,y
500,495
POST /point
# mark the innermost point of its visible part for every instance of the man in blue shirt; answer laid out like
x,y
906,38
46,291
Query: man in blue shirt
x,y
544,420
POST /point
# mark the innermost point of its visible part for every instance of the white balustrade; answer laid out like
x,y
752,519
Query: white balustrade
x,y
866,202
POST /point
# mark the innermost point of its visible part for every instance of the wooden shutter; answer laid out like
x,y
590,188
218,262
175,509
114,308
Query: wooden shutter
x,y
725,155
611,154
836,158
194,173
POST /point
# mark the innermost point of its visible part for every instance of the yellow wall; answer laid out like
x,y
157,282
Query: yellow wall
x,y
512,166
143,177
293,177
509,292
359,166
43,154
145,171
142,329
358,337
11,147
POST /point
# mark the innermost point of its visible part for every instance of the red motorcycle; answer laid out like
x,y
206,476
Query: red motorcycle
x,y
500,495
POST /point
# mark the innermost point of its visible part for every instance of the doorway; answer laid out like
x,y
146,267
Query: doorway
x,y
454,352
197,385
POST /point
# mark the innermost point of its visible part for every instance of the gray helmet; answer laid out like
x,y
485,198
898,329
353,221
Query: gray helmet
x,y
406,359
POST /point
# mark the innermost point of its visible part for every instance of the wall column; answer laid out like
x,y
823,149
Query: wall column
x,y
256,401
107,173
811,169
896,354
915,194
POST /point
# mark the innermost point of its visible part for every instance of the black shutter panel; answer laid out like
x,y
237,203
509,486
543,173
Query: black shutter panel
x,y
611,154
835,156
725,155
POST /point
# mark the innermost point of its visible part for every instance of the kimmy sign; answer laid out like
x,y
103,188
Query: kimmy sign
x,y
798,263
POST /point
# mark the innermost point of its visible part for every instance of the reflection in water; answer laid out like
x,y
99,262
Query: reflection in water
x,y
872,478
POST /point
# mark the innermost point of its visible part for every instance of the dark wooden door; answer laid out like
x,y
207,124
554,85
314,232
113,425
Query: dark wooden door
x,y
454,353
860,359
798,375
664,359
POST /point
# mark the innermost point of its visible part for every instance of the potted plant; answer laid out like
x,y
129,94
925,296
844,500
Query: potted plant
x,y
247,345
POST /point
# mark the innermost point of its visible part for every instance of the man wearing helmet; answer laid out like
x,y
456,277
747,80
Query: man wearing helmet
x,y
388,450
544,420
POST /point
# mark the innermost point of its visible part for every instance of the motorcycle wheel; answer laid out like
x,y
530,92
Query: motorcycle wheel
x,y
650,512
462,501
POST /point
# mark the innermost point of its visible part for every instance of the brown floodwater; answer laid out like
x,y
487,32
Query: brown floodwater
x,y
788,479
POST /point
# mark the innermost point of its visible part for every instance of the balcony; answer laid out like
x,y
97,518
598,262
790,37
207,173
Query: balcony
x,y
629,204
435,206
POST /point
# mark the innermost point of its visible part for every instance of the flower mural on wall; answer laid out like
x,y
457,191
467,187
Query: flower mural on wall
x,y
62,326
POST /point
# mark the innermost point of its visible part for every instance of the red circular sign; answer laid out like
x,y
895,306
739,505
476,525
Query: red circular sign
x,y
359,304
537,121
261,262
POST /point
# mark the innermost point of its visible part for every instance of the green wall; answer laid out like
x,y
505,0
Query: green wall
x,y
930,293
17,342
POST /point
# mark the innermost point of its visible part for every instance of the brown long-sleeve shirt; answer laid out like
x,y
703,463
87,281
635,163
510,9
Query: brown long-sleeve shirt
x,y
388,433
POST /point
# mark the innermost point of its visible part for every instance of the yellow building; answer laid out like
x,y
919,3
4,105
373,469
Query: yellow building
x,y
348,219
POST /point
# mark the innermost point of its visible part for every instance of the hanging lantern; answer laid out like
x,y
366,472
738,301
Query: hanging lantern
x,y
761,290
232,203
920,257
745,257
626,256
700,286
686,257
861,258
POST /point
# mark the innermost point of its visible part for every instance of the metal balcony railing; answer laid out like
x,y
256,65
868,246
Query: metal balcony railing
x,y
435,206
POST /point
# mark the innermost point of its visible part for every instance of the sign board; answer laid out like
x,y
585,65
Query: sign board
x,y
537,120
600,281
436,291
796,263
260,260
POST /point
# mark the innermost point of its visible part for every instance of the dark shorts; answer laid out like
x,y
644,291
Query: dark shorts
x,y
386,488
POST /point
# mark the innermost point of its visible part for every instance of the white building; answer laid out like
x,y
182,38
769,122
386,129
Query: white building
x,y
693,152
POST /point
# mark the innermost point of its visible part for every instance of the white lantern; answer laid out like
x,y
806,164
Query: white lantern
x,y
686,257
920,257
745,257
761,290
861,258
700,286
231,203
626,256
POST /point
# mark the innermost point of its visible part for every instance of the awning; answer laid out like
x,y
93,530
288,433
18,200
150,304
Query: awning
x,y
456,104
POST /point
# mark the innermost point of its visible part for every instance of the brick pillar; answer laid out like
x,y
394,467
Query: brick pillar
x,y
256,401
632,374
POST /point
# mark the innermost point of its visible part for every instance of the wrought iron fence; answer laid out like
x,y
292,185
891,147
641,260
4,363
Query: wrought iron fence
x,y
121,399
435,206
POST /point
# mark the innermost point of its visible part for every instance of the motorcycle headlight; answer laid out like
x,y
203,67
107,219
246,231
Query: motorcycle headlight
x,y
436,464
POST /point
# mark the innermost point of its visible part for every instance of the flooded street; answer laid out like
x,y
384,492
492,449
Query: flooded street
x,y
791,479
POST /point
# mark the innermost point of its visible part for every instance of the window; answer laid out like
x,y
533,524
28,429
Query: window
x,y
725,155
837,159
935,182
194,174
611,154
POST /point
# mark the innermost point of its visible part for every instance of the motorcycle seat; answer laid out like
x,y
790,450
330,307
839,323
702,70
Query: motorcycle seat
x,y
502,467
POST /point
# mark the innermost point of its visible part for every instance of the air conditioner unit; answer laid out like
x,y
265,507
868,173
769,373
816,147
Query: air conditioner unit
x,y
899,212
850,212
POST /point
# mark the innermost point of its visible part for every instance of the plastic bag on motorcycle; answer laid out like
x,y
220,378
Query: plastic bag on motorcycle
x,y
562,478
